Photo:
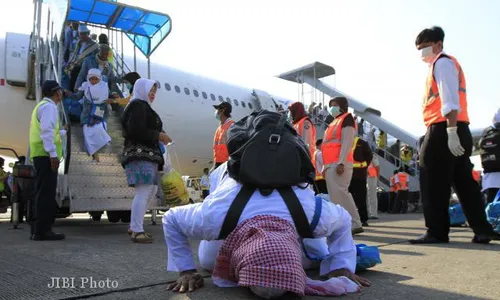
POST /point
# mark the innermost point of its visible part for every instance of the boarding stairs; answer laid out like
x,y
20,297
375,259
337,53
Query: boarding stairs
x,y
312,74
85,185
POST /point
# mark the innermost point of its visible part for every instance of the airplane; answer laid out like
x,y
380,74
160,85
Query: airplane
x,y
184,101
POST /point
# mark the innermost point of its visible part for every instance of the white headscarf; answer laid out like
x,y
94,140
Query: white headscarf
x,y
98,92
142,87
496,118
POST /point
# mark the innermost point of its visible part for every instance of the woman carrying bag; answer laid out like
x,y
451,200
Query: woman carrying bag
x,y
142,157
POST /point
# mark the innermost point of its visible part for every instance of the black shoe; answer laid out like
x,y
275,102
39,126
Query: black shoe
x,y
485,238
357,231
428,239
364,224
49,236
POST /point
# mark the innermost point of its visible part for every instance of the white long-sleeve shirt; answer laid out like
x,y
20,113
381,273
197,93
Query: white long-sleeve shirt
x,y
204,220
446,75
48,116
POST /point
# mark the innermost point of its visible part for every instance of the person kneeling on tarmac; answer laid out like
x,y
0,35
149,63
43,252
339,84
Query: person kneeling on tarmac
x,y
262,211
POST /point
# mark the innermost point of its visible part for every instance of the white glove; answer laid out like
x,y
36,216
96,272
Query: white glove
x,y
454,142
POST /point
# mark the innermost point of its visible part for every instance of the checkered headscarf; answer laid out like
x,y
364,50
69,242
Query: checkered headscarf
x,y
264,251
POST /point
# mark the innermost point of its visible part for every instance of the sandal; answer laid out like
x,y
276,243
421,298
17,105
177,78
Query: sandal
x,y
141,237
129,231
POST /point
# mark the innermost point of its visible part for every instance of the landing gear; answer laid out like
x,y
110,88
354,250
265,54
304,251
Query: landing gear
x,y
96,215
113,216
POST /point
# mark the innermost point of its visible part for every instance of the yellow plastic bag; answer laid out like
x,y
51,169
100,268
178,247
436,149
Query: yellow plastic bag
x,y
174,189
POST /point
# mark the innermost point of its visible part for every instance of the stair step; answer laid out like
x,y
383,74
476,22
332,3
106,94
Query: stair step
x,y
92,168
103,157
98,181
102,193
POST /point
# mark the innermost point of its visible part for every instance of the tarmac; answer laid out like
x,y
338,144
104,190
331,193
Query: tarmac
x,y
100,262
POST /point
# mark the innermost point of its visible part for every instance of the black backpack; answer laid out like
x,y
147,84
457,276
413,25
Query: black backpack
x,y
489,146
266,153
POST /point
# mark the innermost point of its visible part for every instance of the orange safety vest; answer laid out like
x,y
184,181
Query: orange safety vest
x,y
393,184
476,175
331,141
220,139
372,171
432,100
403,181
319,176
299,127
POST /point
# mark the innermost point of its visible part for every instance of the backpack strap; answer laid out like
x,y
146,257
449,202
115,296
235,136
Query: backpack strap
x,y
275,137
235,210
297,212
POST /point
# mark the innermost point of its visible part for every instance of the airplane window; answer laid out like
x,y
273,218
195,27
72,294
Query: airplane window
x,y
204,95
235,102
195,92
177,89
186,90
167,86
250,105
243,104
221,99
212,96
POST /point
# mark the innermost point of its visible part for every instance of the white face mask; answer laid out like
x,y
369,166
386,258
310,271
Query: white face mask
x,y
427,55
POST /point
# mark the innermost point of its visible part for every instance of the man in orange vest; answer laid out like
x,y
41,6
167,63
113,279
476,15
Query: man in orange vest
x,y
401,180
362,154
223,114
447,146
373,177
338,159
319,183
304,126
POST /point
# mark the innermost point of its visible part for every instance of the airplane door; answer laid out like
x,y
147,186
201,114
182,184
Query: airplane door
x,y
262,100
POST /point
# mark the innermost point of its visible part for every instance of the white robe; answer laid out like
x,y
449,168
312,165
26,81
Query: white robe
x,y
204,220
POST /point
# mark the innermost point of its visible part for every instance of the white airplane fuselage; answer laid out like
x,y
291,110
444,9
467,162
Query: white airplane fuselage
x,y
184,102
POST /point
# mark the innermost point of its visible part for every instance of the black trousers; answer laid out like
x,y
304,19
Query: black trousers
x,y
205,193
357,188
439,171
491,193
400,205
320,187
45,205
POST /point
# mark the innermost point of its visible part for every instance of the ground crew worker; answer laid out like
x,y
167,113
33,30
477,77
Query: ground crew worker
x,y
401,180
489,146
381,143
447,146
223,114
338,159
362,158
205,183
45,153
406,155
372,199
392,191
320,183
304,126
